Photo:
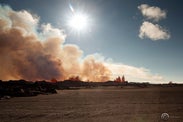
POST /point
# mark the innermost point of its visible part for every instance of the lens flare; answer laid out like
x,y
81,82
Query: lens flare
x,y
70,6
78,21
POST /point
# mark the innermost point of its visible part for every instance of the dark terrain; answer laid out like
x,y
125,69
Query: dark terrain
x,y
97,104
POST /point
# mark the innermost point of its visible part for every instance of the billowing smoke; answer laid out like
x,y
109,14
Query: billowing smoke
x,y
32,51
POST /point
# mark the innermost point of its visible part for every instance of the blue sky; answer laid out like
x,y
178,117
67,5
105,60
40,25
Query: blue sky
x,y
114,28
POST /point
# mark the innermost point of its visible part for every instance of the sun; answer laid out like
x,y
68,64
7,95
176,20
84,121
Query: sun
x,y
78,22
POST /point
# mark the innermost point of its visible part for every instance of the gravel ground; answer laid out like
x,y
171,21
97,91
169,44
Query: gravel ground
x,y
97,105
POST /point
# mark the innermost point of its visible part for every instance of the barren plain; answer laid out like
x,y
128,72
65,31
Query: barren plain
x,y
103,104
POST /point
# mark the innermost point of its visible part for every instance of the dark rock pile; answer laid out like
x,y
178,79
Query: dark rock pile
x,y
22,88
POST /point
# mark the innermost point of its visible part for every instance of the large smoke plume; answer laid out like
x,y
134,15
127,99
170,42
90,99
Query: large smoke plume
x,y
32,51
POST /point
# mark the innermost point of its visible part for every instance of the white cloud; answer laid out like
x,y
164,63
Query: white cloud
x,y
134,74
152,12
153,31
53,58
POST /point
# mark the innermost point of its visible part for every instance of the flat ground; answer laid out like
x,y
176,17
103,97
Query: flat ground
x,y
97,105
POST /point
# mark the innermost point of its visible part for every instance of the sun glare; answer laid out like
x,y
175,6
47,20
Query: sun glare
x,y
78,22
